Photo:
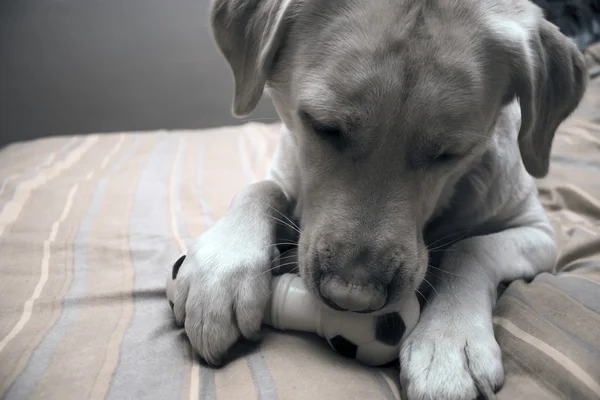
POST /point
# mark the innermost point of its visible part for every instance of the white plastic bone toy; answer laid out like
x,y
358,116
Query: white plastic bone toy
x,y
371,339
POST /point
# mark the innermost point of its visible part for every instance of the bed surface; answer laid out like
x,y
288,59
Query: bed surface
x,y
90,225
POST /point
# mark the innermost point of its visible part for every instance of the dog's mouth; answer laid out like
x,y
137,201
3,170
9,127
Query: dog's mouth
x,y
332,305
366,279
396,290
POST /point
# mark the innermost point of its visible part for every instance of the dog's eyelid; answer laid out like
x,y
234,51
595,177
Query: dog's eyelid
x,y
327,131
313,122
445,156
452,151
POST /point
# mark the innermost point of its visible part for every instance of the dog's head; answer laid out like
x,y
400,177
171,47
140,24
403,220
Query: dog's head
x,y
390,101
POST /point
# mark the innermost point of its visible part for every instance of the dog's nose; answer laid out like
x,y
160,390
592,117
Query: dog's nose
x,y
345,296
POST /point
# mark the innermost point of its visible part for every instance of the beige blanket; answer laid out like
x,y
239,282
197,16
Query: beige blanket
x,y
90,225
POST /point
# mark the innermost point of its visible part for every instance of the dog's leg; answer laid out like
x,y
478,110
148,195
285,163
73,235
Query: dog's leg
x,y
225,281
452,353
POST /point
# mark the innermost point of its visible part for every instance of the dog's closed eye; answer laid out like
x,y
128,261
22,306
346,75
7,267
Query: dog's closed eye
x,y
445,157
448,154
437,158
329,133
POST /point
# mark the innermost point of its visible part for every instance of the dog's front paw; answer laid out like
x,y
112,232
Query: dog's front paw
x,y
222,289
448,360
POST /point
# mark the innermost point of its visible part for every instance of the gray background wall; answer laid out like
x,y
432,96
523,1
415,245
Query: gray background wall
x,y
82,66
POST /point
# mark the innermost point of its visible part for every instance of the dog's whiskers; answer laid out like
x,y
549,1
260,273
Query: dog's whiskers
x,y
265,271
429,283
291,243
424,298
269,270
463,234
436,250
288,256
281,257
284,223
446,272
286,218
289,263
442,238
436,276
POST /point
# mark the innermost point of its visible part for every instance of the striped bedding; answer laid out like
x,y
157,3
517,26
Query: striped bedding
x,y
89,227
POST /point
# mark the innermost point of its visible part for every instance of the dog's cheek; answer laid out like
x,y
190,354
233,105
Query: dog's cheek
x,y
433,192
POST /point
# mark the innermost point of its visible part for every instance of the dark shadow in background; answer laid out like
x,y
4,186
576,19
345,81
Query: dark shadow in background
x,y
82,66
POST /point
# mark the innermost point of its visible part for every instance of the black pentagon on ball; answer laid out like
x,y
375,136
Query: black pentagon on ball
x,y
343,346
390,328
177,265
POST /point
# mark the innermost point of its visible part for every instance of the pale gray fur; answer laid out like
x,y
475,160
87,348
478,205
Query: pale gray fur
x,y
404,81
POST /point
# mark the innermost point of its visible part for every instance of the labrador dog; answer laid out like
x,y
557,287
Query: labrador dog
x,y
413,132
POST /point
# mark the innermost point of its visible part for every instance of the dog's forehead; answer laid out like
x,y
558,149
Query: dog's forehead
x,y
335,25
366,60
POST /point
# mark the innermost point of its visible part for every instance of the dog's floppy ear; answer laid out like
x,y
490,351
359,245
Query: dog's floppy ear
x,y
249,34
549,79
